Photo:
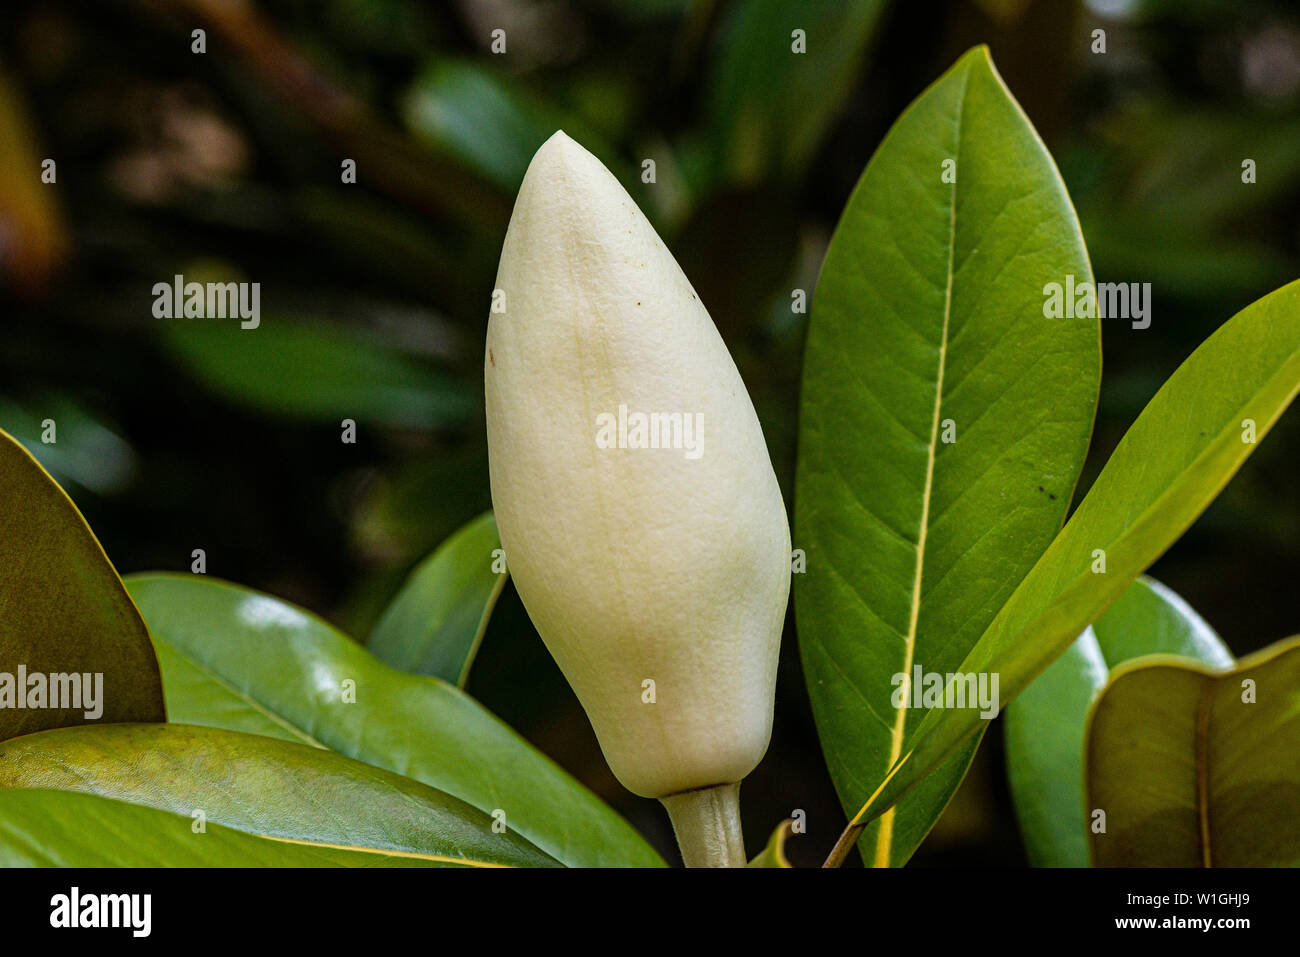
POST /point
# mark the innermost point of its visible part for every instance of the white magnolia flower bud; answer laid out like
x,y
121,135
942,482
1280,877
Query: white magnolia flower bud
x,y
638,509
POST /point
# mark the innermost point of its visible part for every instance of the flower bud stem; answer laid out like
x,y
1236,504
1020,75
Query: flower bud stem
x,y
707,824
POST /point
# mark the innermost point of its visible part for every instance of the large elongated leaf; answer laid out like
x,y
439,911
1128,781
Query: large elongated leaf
x,y
436,622
1169,466
1045,725
40,828
928,326
290,792
63,611
239,659
1198,768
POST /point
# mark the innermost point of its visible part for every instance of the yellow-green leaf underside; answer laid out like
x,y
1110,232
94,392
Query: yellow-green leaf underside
x,y
1195,767
63,611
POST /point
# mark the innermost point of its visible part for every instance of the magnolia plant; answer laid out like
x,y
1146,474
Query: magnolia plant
x,y
948,400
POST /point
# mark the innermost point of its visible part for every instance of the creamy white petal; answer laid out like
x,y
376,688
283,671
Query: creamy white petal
x,y
669,565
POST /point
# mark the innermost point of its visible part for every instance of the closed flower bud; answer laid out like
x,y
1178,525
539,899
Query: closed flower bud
x,y
638,509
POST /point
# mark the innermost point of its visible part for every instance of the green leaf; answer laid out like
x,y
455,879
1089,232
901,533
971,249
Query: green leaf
x,y
1151,619
1196,767
1179,454
436,622
928,325
87,453
315,371
254,663
65,829
1044,742
63,611
774,854
289,792
489,122
1045,725
771,107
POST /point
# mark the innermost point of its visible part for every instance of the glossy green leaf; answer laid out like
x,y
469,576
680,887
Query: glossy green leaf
x,y
41,828
943,427
1198,768
1169,466
315,371
1151,619
436,622
277,789
254,663
771,106
1045,725
1044,742
774,854
63,612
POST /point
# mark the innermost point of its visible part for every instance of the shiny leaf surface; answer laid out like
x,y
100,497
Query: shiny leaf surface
x,y
289,792
1198,768
943,426
251,662
63,612
1045,725
436,622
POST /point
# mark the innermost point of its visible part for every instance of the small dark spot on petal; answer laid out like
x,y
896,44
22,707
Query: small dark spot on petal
x,y
491,358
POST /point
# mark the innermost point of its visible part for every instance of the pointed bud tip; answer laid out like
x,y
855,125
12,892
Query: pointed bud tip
x,y
556,140
560,154
568,189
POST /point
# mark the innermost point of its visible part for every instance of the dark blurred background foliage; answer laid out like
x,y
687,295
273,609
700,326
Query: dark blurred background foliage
x,y
176,435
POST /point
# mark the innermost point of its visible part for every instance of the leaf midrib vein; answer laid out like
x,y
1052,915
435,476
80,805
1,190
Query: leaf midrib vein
x,y
382,851
1202,745
884,835
1060,593
216,678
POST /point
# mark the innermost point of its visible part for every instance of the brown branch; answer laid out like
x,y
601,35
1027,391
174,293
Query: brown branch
x,y
842,847
384,156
